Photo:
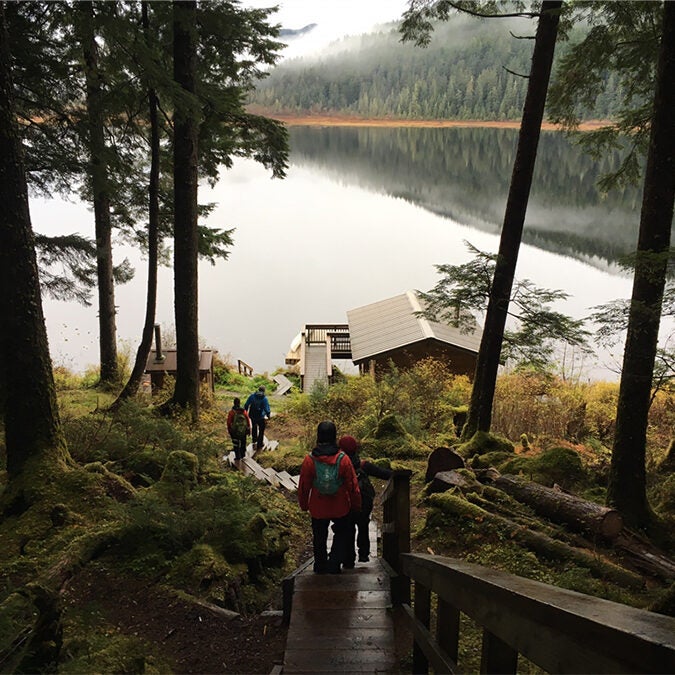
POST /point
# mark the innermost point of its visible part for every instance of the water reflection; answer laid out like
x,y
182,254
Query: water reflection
x,y
464,174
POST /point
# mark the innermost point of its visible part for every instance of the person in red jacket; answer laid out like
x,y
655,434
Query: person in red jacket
x,y
238,426
325,508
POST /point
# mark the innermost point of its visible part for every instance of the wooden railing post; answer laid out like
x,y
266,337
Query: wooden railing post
x,y
396,531
497,657
420,662
447,628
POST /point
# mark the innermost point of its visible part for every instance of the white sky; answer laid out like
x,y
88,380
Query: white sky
x,y
334,19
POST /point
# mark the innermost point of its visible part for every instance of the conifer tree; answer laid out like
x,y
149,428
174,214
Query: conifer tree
x,y
27,393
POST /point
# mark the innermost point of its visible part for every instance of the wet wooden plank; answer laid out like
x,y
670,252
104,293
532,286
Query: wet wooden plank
x,y
344,619
361,638
342,582
339,661
341,599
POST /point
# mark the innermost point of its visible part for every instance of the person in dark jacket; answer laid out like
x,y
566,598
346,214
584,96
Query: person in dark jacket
x,y
327,508
238,428
360,520
258,408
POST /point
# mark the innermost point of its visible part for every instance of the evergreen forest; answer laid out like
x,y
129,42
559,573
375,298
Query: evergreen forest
x,y
472,70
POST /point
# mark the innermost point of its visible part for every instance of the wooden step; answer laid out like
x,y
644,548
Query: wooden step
x,y
286,480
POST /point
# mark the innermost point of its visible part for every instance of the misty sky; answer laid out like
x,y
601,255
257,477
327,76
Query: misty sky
x,y
334,19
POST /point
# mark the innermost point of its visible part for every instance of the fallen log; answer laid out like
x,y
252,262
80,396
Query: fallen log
x,y
561,507
644,556
539,543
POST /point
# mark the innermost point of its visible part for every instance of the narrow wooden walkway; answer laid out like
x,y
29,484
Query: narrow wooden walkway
x,y
342,623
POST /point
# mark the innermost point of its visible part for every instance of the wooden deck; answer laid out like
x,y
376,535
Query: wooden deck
x,y
342,623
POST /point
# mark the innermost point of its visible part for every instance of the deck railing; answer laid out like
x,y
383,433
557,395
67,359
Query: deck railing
x,y
561,631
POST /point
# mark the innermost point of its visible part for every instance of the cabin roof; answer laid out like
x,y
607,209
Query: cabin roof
x,y
168,364
391,324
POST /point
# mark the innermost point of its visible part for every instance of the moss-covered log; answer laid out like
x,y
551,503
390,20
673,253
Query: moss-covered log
x,y
539,543
562,507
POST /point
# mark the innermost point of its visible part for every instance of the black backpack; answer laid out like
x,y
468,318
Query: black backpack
x,y
367,491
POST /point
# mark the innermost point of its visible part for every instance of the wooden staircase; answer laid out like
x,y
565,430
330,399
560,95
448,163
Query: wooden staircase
x,y
250,467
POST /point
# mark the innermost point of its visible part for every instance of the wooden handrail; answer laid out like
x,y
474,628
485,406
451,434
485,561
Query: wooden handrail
x,y
561,631
396,531
244,368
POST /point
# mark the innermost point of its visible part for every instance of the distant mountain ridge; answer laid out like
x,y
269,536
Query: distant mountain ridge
x,y
297,32
463,74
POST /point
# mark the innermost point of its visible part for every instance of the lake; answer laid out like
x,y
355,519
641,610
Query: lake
x,y
365,214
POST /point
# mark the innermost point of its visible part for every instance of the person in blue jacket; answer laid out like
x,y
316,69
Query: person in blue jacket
x,y
258,408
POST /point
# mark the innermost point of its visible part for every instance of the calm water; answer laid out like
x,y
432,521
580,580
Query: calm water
x,y
363,215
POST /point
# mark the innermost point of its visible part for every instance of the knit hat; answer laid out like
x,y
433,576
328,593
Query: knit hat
x,y
348,444
326,432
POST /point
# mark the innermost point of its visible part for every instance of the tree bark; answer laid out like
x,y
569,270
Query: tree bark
x,y
561,507
98,172
487,364
185,155
28,395
131,387
627,480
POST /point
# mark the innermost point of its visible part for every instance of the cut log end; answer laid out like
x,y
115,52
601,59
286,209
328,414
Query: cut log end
x,y
612,524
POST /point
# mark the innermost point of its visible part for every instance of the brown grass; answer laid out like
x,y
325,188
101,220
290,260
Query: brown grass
x,y
327,120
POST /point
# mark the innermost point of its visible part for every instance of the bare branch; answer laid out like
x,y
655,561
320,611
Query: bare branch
x,y
513,72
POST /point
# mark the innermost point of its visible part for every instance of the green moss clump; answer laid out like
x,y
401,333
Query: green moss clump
x,y
518,465
202,568
559,465
482,442
181,468
389,427
494,458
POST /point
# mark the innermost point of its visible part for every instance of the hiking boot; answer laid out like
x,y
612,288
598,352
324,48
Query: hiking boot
x,y
348,565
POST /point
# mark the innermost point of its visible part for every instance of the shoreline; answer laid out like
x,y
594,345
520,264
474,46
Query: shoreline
x,y
348,121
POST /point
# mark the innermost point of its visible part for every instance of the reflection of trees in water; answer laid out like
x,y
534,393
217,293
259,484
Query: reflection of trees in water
x,y
464,174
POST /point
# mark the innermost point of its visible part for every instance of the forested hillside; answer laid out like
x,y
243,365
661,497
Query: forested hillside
x,y
463,74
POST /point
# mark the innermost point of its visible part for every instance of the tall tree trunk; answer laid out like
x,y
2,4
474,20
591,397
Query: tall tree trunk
x,y
98,169
627,480
487,365
186,127
29,408
136,376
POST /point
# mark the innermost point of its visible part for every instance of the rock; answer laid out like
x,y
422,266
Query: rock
x,y
442,459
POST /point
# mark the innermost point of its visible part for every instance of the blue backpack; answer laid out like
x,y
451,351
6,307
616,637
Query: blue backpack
x,y
328,480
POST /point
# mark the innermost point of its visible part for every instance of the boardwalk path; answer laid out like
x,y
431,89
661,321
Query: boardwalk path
x,y
340,623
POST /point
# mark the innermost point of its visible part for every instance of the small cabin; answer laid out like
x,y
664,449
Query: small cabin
x,y
392,331
162,362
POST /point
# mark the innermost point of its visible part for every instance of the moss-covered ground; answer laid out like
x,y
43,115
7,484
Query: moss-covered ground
x,y
109,564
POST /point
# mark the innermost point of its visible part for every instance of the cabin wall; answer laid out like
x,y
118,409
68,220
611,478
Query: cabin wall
x,y
460,362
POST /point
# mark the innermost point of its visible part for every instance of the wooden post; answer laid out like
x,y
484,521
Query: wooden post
x,y
447,628
396,531
423,615
497,657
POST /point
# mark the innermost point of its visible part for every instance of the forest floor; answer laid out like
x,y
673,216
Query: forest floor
x,y
188,638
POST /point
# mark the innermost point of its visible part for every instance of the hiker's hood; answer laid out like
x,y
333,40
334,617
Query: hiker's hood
x,y
325,450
